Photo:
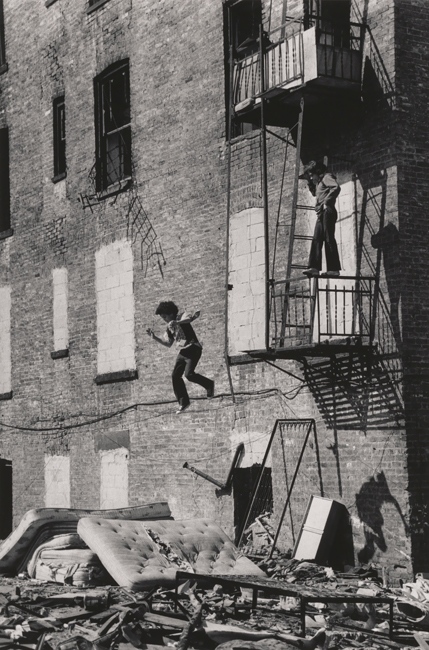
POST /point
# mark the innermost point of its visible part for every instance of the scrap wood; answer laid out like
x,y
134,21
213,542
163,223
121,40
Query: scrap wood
x,y
166,621
220,633
194,623
421,641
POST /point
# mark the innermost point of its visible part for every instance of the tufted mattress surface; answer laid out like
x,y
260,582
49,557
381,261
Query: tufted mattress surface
x,y
54,521
141,554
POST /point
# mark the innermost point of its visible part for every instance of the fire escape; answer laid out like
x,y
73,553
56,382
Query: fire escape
x,y
276,78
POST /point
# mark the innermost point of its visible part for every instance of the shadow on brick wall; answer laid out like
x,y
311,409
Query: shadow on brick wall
x,y
373,494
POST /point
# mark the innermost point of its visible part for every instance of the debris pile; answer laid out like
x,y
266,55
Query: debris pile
x,y
38,615
184,585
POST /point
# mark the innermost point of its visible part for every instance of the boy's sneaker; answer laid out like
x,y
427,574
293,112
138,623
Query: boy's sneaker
x,y
183,407
210,391
311,273
331,274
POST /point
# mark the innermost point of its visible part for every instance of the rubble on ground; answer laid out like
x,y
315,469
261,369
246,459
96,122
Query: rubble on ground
x,y
38,615
191,588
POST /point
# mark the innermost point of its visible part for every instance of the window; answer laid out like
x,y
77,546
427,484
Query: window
x,y
4,181
3,66
242,22
94,4
59,139
113,126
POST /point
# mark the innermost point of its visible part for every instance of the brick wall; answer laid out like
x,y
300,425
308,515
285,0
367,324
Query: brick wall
x,y
180,162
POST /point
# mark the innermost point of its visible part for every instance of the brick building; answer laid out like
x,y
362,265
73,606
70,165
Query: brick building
x,y
151,150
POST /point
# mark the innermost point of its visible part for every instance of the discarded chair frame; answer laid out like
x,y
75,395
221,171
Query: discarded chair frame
x,y
276,588
223,486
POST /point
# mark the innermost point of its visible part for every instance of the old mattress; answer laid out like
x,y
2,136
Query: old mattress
x,y
41,524
141,554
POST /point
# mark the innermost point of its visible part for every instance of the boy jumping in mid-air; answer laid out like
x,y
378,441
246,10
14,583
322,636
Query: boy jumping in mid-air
x,y
180,331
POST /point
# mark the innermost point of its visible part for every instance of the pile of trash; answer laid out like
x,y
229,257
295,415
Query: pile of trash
x,y
118,583
38,615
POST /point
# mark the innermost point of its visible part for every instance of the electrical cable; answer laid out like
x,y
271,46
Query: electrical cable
x,y
107,416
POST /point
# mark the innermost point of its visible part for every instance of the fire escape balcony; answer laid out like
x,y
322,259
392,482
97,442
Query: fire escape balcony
x,y
321,317
318,58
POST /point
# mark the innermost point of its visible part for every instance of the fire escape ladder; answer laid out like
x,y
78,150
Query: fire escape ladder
x,y
292,233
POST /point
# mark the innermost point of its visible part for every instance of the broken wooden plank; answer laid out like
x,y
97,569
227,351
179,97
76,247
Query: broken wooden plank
x,y
166,621
421,641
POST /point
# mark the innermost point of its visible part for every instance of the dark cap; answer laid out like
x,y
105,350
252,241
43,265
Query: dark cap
x,y
312,167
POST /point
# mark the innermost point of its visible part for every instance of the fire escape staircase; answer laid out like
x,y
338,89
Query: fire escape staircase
x,y
316,317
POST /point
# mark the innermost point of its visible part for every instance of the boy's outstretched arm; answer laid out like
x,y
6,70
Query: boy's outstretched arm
x,y
156,338
188,318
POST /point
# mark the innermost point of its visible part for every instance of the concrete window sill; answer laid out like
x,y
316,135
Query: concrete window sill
x,y
116,188
59,177
4,234
121,375
5,396
95,6
59,354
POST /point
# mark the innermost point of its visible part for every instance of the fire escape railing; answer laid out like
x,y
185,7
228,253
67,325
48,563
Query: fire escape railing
x,y
336,308
339,56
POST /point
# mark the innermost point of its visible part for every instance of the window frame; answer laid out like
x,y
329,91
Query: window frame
x,y
5,225
95,4
59,138
241,18
3,64
105,135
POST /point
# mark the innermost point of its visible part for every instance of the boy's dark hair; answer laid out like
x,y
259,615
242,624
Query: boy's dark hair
x,y
167,307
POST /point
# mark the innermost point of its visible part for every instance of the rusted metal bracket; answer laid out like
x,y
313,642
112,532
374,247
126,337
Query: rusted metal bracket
x,y
223,486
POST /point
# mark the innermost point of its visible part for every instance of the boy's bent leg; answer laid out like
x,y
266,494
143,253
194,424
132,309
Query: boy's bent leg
x,y
178,384
190,374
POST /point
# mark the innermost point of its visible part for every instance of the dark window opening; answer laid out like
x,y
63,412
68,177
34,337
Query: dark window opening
x,y
332,19
2,39
4,181
113,126
59,139
243,482
5,498
94,4
242,23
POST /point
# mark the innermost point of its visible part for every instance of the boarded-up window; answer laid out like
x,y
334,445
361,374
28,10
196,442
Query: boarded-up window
x,y
114,478
115,308
61,333
246,299
57,481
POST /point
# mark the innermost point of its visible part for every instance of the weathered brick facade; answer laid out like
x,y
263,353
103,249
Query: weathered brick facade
x,y
366,455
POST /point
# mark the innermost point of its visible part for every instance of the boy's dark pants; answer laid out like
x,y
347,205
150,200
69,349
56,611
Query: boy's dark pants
x,y
324,232
186,363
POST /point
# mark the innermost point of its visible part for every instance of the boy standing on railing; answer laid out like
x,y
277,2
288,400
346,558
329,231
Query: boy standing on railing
x,y
324,186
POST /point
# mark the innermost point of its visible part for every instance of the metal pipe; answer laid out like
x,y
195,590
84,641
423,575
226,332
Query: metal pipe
x,y
265,190
223,486
203,475
228,206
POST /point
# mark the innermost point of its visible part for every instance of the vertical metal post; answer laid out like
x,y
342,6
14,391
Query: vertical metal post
x,y
228,199
265,189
